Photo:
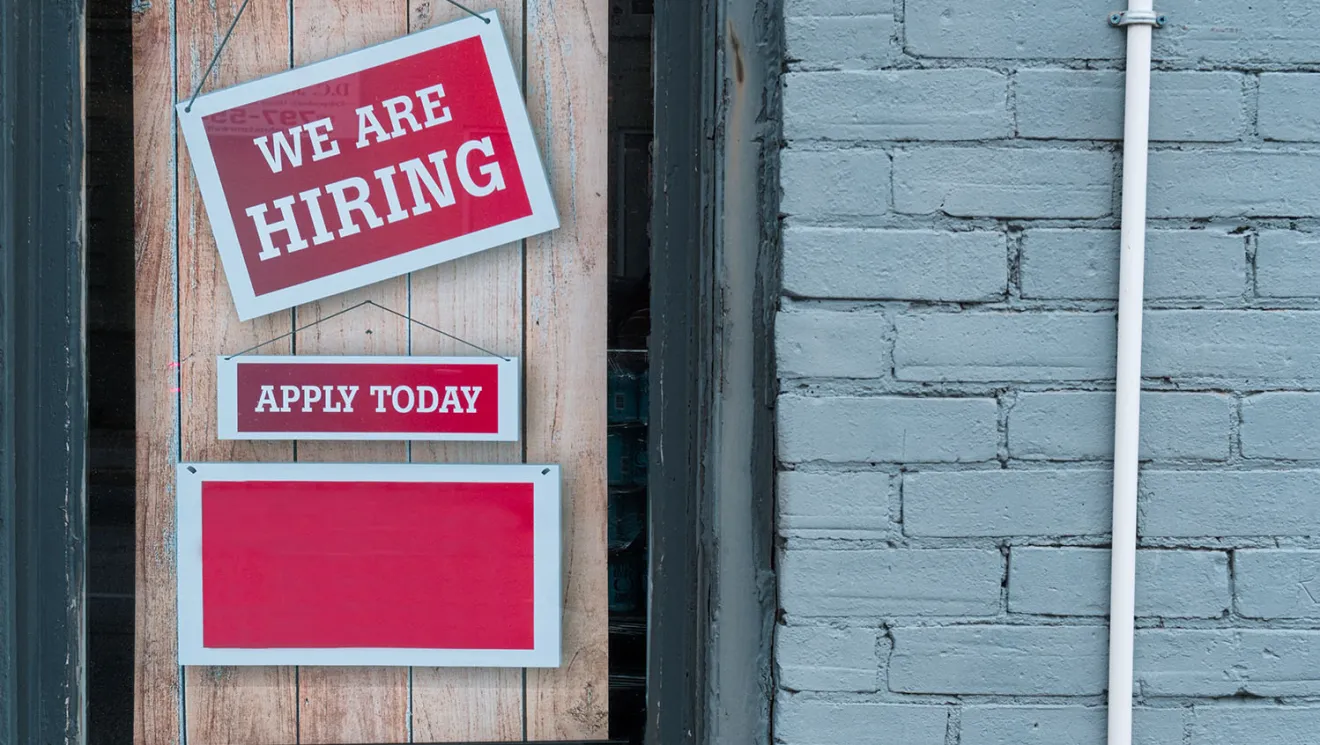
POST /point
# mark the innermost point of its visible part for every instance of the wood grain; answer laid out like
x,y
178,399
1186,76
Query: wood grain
x,y
353,704
356,704
567,95
558,329
209,326
156,679
477,298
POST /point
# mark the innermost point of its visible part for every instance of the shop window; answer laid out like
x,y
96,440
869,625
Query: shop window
x,y
110,327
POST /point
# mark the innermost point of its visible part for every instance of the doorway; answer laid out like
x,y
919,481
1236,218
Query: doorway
x,y
113,520
659,626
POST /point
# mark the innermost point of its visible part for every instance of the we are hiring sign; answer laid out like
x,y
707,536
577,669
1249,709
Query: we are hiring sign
x,y
367,166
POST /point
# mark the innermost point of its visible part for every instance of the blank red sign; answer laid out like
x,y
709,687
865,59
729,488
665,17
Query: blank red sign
x,y
361,564
369,564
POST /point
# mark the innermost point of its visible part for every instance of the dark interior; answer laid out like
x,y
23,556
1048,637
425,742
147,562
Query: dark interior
x,y
631,116
110,410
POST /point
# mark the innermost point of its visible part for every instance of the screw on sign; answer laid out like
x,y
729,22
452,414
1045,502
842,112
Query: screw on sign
x,y
367,166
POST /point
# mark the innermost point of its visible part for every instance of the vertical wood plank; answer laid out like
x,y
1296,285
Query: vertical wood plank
x,y
358,705
567,93
353,704
239,705
156,679
477,298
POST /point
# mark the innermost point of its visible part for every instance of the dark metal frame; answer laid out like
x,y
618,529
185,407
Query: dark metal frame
x,y
42,373
714,283
682,339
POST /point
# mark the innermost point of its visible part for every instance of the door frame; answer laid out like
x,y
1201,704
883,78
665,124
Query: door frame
x,y
43,403
714,293
714,289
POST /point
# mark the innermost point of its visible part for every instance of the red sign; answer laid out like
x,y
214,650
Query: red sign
x,y
367,398
367,166
355,564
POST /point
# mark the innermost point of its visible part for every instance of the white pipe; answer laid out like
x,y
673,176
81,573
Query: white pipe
x,y
1127,412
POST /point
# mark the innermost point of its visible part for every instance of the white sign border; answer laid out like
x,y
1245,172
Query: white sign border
x,y
510,398
544,217
546,556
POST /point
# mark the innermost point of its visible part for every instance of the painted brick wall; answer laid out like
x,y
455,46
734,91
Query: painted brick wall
x,y
946,353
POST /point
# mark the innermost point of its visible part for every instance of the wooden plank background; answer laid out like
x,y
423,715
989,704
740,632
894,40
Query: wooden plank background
x,y
542,299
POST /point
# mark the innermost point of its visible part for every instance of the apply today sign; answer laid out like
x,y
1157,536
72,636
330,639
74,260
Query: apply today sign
x,y
367,166
270,397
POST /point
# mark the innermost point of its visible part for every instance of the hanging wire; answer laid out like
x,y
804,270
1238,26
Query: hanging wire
x,y
468,10
405,317
216,56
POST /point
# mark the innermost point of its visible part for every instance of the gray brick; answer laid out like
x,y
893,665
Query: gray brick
x,y
1220,183
1254,725
1003,660
1288,108
1010,29
887,428
1079,425
1006,503
1088,105
1227,662
1157,726
1279,31
887,583
1055,725
965,104
811,344
816,722
1287,264
1261,346
839,42
1281,425
1004,346
841,505
824,184
840,8
895,264
816,658
1230,503
1083,264
1003,182
1075,582
1277,583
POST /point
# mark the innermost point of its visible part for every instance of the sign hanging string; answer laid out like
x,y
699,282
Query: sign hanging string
x,y
407,318
216,57
468,10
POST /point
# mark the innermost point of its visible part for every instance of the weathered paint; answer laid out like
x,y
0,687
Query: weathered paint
x,y
43,405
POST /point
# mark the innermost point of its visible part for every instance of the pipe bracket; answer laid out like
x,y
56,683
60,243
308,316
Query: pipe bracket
x,y
1135,17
